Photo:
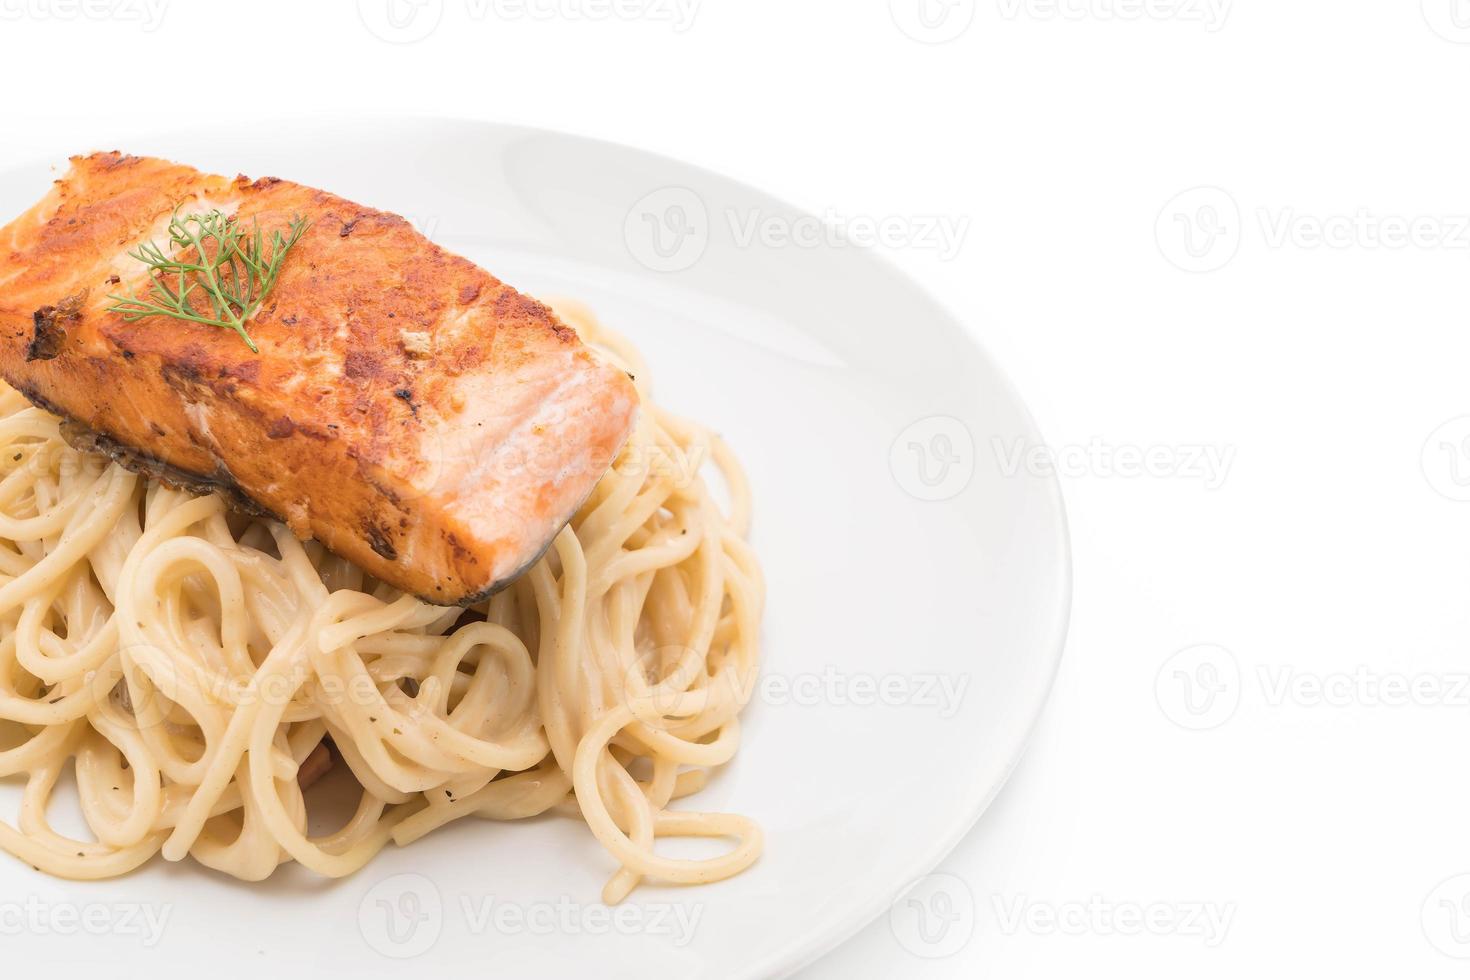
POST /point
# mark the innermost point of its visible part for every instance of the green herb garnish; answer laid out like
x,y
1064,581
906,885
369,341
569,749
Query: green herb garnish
x,y
231,268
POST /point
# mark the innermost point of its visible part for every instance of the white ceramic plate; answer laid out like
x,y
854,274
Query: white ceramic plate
x,y
918,590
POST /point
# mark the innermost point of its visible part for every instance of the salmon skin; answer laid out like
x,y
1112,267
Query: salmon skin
x,y
407,409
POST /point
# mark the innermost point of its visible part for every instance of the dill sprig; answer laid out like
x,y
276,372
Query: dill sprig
x,y
209,255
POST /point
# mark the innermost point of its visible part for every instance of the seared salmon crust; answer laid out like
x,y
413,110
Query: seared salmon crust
x,y
407,409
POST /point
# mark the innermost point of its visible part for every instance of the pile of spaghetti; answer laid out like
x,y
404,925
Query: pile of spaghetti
x,y
197,668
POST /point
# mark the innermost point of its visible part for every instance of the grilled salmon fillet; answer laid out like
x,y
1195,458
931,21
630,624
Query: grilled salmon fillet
x,y
406,408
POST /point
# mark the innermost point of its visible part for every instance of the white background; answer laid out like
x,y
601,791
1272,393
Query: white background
x,y
1254,453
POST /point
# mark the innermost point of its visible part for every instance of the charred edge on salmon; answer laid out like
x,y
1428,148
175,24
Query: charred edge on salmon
x,y
380,542
50,330
83,438
503,583
88,440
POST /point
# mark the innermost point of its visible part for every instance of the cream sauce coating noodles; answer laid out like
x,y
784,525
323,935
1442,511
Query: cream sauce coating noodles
x,y
194,667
